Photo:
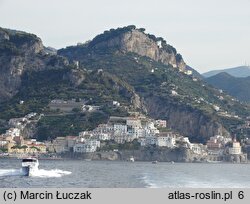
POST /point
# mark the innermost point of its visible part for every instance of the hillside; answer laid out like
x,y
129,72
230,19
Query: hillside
x,y
237,87
31,75
21,52
242,71
166,92
141,71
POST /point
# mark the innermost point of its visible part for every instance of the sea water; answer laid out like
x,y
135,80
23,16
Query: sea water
x,y
119,174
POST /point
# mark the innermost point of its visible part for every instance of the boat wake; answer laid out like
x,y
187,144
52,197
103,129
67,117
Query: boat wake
x,y
42,173
50,173
10,172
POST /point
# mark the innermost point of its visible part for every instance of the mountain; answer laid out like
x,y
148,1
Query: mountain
x,y
142,72
21,52
129,40
31,74
156,71
242,71
237,87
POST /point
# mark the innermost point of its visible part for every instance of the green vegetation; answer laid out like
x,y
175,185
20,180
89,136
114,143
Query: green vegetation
x,y
19,147
39,88
237,87
3,150
55,126
8,48
12,46
20,38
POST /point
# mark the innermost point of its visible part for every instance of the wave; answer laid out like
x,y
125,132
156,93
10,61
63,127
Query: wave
x,y
42,173
11,172
50,173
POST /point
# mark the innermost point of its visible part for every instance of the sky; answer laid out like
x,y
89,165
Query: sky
x,y
210,34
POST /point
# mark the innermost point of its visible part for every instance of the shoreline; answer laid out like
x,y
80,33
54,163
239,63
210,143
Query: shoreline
x,y
180,155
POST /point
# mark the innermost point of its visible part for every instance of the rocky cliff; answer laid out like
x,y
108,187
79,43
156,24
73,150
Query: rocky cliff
x,y
20,52
136,41
186,120
147,154
126,40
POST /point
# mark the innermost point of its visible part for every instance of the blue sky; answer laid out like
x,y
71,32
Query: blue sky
x,y
210,34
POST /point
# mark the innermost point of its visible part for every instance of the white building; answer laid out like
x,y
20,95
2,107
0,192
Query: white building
x,y
196,148
147,141
174,93
185,140
122,138
30,115
103,136
13,132
85,135
188,72
161,123
236,149
90,108
87,146
136,132
150,129
165,142
3,143
116,103
104,128
216,108
120,129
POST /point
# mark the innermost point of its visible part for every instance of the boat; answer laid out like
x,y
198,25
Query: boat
x,y
154,162
132,159
29,166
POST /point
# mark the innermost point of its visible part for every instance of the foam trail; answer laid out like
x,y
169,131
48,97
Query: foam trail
x,y
42,173
49,173
11,172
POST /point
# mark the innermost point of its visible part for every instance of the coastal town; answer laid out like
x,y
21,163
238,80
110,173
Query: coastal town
x,y
136,131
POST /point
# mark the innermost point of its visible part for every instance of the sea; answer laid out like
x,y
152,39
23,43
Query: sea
x,y
122,174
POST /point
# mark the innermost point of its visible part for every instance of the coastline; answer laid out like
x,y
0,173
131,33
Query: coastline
x,y
180,155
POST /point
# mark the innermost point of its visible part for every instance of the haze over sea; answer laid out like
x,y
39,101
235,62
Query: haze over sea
x,y
118,174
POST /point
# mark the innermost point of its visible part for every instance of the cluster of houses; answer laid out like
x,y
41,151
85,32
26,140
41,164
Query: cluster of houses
x,y
12,142
145,131
120,130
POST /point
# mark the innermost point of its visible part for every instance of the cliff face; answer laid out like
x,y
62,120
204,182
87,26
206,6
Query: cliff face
x,y
147,154
140,43
19,52
187,121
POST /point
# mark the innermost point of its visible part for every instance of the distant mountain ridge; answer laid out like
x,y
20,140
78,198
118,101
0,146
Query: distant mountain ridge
x,y
241,71
239,87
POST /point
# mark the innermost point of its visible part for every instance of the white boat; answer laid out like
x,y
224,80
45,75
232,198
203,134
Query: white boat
x,y
132,159
29,166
